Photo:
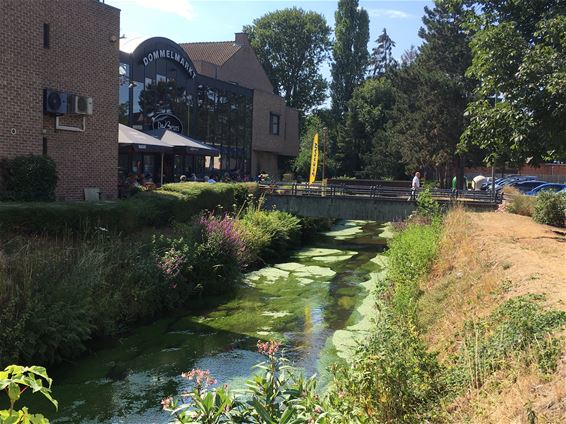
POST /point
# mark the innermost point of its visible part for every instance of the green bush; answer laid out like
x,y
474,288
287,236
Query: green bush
x,y
176,202
29,178
426,205
271,235
393,378
550,208
58,294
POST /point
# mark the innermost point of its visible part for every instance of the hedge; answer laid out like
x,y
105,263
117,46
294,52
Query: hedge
x,y
174,202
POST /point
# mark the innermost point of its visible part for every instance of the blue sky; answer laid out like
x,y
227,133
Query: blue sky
x,y
218,20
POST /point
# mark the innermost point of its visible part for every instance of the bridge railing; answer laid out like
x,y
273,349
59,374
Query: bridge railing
x,y
374,192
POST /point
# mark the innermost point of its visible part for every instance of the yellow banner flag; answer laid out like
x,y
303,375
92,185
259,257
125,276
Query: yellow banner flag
x,y
314,159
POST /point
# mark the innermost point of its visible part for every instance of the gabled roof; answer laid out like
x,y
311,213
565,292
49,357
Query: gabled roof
x,y
215,52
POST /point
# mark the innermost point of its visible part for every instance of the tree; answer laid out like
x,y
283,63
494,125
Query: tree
x,y
350,54
382,57
433,93
519,54
314,123
409,56
364,148
291,45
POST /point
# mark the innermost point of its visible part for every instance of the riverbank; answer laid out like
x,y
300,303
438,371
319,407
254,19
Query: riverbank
x,y
62,291
469,326
487,263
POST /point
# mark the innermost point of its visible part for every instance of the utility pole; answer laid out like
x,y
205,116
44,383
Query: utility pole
x,y
324,143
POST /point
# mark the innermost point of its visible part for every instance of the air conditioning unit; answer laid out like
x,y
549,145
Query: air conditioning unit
x,y
80,105
54,102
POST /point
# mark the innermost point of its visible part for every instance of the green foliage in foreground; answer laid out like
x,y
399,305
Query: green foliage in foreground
x,y
274,395
15,380
550,208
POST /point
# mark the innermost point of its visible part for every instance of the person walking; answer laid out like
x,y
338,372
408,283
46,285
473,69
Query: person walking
x,y
454,193
415,185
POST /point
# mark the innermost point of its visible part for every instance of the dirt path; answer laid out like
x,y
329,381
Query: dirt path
x,y
486,259
532,256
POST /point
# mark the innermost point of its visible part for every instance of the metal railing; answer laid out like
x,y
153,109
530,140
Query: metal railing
x,y
375,192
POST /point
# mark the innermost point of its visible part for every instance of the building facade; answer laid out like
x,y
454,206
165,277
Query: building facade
x,y
64,98
67,49
216,93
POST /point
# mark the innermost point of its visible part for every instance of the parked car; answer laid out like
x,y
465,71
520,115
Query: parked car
x,y
553,187
524,186
502,182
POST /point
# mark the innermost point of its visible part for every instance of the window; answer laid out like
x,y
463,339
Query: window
x,y
45,36
274,124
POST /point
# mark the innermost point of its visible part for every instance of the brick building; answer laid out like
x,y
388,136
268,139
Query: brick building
x,y
275,126
63,98
69,47
216,93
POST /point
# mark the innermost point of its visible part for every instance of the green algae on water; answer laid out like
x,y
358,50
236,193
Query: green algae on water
x,y
346,340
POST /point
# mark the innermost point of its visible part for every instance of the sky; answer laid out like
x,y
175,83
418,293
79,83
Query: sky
x,y
218,20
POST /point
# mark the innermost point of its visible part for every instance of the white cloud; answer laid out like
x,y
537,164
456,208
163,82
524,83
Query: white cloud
x,y
389,13
177,7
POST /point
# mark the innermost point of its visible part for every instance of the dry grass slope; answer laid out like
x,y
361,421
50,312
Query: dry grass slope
x,y
486,259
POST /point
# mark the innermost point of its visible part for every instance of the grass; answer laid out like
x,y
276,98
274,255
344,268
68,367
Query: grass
x,y
519,203
494,345
453,338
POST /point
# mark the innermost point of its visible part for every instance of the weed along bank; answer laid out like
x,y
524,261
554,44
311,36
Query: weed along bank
x,y
69,80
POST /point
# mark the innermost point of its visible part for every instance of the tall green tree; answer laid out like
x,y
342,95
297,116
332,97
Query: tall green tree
x,y
350,54
381,59
519,55
433,93
292,44
365,149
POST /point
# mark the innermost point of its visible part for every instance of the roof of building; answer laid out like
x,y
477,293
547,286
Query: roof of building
x,y
215,52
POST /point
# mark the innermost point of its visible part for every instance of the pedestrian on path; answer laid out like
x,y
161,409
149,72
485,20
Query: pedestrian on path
x,y
415,185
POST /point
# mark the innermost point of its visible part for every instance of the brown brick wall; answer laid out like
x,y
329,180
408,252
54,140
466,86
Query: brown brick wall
x,y
245,69
287,142
82,59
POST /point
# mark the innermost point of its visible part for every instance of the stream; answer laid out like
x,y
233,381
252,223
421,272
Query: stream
x,y
317,303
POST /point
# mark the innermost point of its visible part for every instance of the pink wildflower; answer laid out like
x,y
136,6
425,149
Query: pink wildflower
x,y
167,403
202,378
269,348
